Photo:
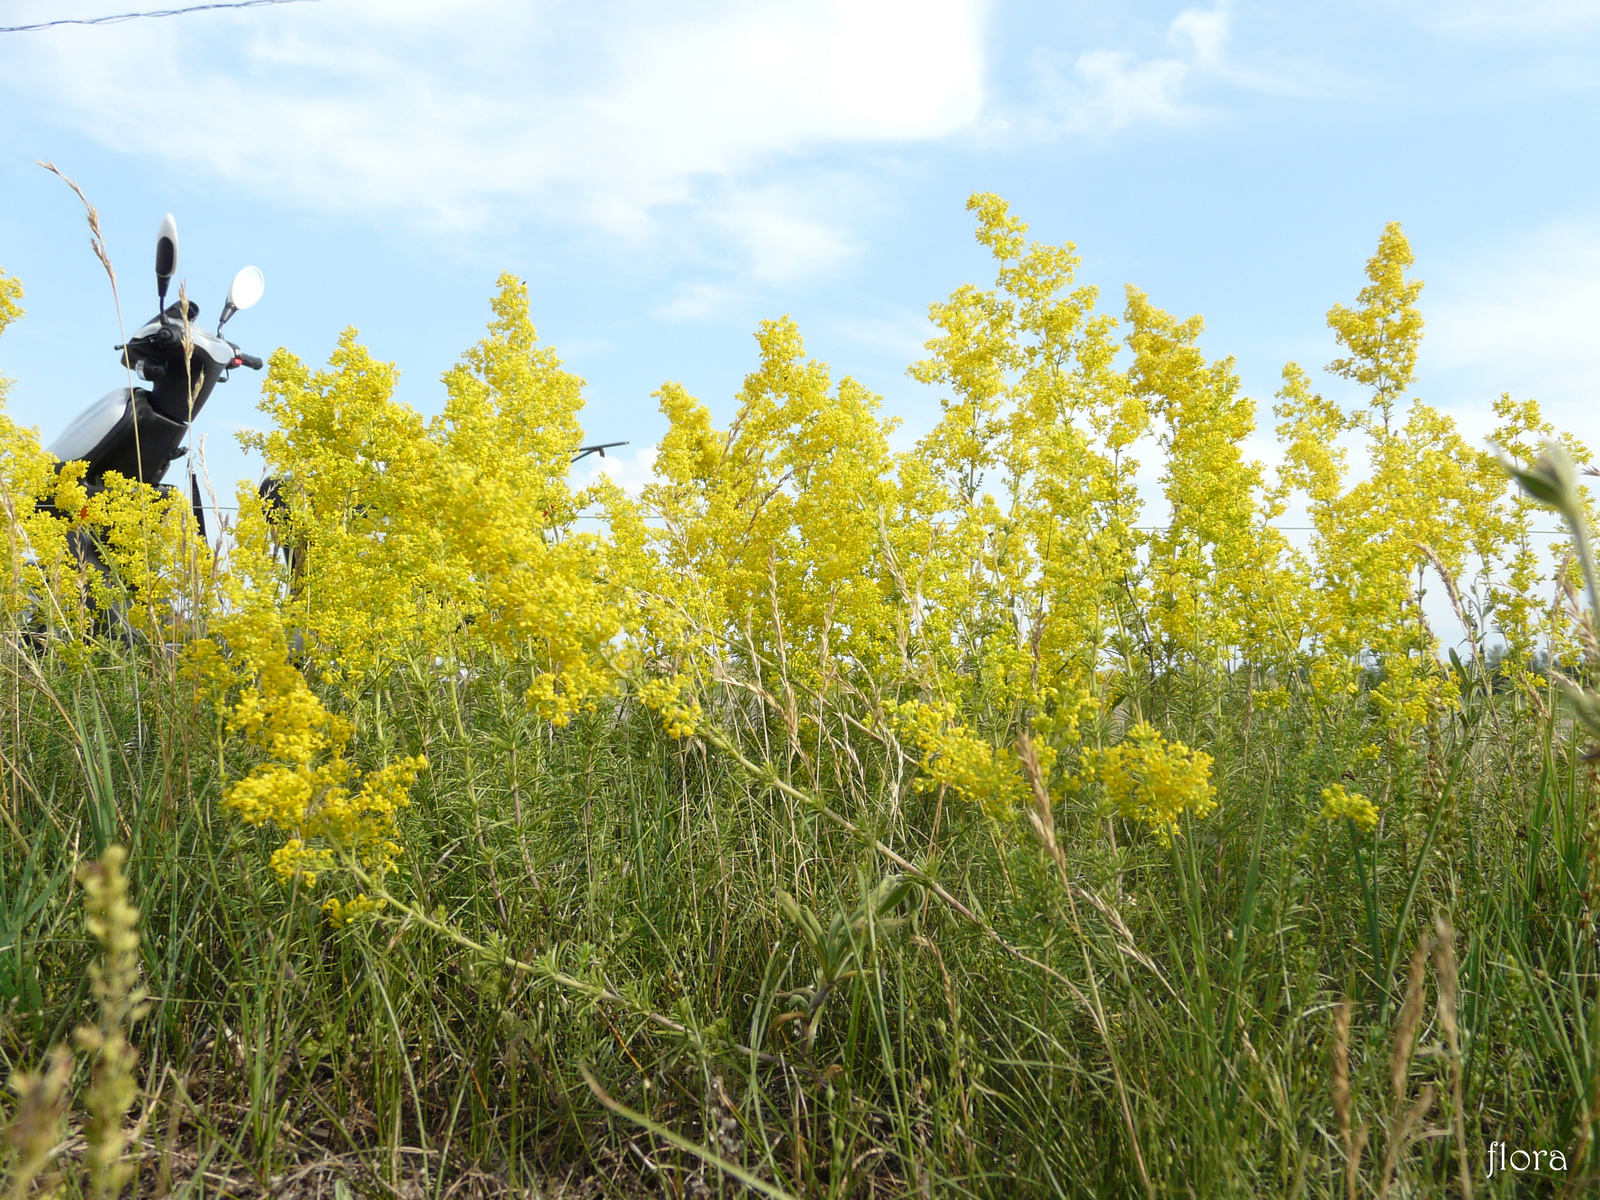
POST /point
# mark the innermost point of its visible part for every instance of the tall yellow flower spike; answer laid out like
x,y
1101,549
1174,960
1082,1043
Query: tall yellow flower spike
x,y
1219,558
1427,496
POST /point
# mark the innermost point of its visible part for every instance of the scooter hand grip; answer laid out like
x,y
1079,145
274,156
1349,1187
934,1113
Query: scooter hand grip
x,y
251,361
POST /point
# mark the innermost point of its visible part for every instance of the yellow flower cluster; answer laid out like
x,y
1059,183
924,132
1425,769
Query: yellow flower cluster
x,y
771,533
413,533
1275,699
41,587
1149,779
1428,497
305,784
953,757
342,913
1338,803
161,566
664,695
160,578
10,310
1022,500
1223,583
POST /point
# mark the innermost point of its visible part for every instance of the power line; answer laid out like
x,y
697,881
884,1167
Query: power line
x,y
118,18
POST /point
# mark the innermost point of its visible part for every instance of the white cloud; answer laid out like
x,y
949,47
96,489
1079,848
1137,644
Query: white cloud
x,y
787,232
461,114
694,302
1522,318
1121,92
1523,18
1206,32
1108,90
1104,90
772,233
902,336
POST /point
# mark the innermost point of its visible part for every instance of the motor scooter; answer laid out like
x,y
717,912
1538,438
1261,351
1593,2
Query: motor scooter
x,y
138,431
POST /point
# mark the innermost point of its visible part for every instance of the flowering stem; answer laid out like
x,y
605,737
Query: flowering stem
x,y
543,971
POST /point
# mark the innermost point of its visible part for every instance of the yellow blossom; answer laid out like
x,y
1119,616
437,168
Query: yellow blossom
x,y
1149,779
342,913
1337,803
953,757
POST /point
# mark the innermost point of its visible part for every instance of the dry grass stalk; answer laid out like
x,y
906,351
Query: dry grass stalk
x,y
1044,825
114,983
97,241
1405,1031
1399,1137
1341,1097
1041,816
1352,1165
958,1063
1452,591
186,332
1403,1120
1447,972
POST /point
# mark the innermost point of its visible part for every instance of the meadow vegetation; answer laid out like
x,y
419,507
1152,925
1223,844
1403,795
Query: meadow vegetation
x,y
825,820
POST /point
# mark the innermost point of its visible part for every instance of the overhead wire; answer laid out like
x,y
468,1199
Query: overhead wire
x,y
118,18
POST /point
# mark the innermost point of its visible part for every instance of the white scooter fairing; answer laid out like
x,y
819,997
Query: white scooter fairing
x,y
81,438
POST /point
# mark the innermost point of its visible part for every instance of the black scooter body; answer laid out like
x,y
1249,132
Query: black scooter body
x,y
138,432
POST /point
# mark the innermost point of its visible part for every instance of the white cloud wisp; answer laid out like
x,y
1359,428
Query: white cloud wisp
x,y
466,114
1522,319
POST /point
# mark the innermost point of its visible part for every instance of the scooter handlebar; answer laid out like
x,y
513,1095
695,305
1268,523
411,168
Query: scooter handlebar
x,y
246,360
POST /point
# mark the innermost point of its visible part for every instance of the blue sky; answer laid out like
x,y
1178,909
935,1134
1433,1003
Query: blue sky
x,y
666,176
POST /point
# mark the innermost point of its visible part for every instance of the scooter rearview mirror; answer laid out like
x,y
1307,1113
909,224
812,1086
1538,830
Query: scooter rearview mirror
x,y
247,287
166,257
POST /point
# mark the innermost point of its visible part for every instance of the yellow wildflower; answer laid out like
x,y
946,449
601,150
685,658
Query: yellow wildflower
x,y
954,757
665,696
1337,803
1149,779
341,913
1224,582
